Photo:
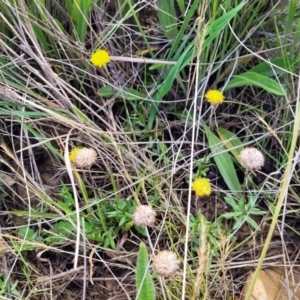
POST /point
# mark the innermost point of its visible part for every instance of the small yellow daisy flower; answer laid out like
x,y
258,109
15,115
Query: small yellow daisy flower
x,y
214,97
100,58
202,187
73,154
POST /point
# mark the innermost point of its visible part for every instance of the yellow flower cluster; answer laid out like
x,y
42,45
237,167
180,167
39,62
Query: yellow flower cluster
x,y
202,187
100,58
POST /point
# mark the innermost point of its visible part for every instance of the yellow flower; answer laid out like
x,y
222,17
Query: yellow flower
x,y
202,187
214,97
73,154
100,58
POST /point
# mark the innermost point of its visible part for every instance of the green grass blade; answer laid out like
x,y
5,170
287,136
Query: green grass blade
x,y
181,4
182,35
79,11
41,138
167,18
214,29
166,86
83,20
290,19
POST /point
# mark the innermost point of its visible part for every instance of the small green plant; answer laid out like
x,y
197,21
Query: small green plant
x,y
29,238
101,224
121,212
9,291
213,233
202,166
242,211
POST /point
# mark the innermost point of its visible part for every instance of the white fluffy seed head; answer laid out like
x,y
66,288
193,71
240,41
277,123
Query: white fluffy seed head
x,y
144,215
252,159
165,263
85,158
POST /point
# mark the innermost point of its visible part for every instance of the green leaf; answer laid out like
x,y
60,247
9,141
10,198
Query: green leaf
x,y
255,79
63,228
144,281
127,226
40,35
183,60
223,161
33,214
80,114
257,212
231,142
29,239
231,215
252,223
235,206
238,223
141,230
268,70
82,19
40,138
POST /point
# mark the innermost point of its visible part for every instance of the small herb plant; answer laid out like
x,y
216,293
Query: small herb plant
x,y
213,231
102,223
243,212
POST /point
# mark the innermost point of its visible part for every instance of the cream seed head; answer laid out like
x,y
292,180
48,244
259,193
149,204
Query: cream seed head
x,y
144,215
251,159
83,158
165,263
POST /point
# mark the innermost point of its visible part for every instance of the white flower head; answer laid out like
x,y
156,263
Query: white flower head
x,y
251,159
165,263
83,158
144,215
